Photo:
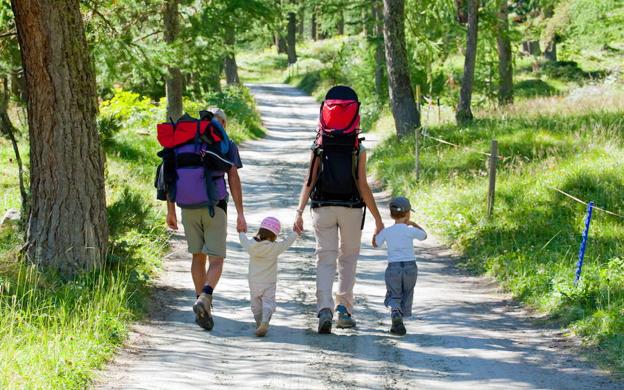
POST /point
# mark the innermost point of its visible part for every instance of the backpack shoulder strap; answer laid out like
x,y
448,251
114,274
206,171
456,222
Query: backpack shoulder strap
x,y
356,162
315,155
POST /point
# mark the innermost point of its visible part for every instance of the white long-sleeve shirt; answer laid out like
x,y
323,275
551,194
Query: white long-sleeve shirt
x,y
263,257
400,241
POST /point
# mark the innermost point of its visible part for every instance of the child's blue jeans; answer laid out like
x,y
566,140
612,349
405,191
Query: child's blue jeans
x,y
400,281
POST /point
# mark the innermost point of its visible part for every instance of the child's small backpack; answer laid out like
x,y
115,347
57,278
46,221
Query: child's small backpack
x,y
194,159
337,146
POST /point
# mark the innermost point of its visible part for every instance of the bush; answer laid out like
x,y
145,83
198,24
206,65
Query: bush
x,y
534,88
108,126
564,70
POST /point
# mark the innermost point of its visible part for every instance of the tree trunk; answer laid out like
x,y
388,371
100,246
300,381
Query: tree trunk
x,y
530,48
550,51
174,82
292,38
380,57
280,43
464,113
340,24
301,17
313,26
231,70
404,111
67,229
505,70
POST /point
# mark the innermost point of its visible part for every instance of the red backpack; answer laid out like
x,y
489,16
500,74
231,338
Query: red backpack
x,y
195,157
339,118
173,134
337,146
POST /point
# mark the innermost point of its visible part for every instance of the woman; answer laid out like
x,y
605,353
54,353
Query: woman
x,y
339,192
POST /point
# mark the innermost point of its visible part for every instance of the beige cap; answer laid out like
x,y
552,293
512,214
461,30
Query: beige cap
x,y
219,113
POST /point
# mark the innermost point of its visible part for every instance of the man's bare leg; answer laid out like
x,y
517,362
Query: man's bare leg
x,y
198,272
215,268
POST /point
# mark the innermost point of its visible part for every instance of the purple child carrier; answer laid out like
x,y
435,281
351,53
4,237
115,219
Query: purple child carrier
x,y
194,171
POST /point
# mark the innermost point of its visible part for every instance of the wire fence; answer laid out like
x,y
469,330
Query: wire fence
x,y
423,132
493,157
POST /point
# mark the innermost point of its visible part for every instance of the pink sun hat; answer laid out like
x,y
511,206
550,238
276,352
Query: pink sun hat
x,y
271,224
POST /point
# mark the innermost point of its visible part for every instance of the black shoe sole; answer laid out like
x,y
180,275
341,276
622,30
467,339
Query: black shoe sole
x,y
202,318
397,327
325,327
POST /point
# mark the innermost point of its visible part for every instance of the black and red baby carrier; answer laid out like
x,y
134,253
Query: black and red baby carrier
x,y
337,148
194,157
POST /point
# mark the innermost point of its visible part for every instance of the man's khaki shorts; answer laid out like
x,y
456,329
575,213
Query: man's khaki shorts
x,y
205,234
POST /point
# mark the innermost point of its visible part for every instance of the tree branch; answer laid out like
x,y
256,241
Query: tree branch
x,y
147,36
8,33
101,16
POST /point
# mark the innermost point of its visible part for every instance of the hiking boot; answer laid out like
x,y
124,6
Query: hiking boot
x,y
201,307
262,329
397,324
325,317
344,318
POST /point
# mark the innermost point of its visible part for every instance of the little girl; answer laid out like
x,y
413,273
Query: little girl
x,y
263,251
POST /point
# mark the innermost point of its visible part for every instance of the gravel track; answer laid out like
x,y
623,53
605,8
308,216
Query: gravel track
x,y
465,334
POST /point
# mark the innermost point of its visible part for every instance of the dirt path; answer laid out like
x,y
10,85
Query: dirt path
x,y
464,335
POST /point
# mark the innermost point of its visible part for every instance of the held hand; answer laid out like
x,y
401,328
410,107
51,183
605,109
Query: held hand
x,y
172,221
379,226
241,224
298,225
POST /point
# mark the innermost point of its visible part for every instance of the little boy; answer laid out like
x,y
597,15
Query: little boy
x,y
402,271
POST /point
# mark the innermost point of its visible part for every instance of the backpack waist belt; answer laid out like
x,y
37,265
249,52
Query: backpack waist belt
x,y
341,203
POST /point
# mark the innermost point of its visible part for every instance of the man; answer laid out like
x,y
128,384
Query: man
x,y
339,190
206,235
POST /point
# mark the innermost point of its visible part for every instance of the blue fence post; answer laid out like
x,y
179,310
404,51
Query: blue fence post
x,y
581,256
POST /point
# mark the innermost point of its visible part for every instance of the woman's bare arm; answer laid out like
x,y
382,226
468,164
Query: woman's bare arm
x,y
305,193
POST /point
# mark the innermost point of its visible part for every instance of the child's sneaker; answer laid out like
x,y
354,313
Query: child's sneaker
x,y
262,329
201,307
325,321
344,318
397,323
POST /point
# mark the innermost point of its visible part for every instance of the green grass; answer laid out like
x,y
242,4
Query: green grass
x,y
532,242
54,333
9,189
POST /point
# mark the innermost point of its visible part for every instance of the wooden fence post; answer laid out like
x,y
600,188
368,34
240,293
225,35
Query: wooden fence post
x,y
492,172
417,153
418,97
439,113
416,136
